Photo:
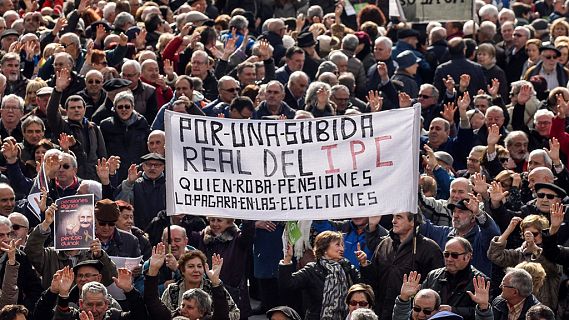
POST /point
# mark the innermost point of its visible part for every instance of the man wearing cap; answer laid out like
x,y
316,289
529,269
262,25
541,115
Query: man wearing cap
x,y
146,191
93,94
15,81
42,98
8,37
471,223
407,64
111,88
115,242
407,39
306,42
549,67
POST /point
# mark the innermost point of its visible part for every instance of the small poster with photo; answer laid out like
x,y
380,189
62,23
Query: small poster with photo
x,y
74,222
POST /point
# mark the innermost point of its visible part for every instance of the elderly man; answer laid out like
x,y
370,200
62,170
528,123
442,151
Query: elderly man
x,y
549,67
471,223
294,61
7,199
144,94
87,142
473,163
184,89
517,144
415,304
340,95
20,228
156,141
93,94
429,99
228,89
517,55
151,75
114,241
454,280
436,210
146,191
276,29
395,255
75,82
15,82
11,110
437,53
33,130
494,116
349,45
201,69
382,53
8,36
539,135
295,90
27,280
274,106
111,88
516,297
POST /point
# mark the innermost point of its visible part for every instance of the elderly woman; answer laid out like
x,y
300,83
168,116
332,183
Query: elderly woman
x,y
360,295
232,243
125,132
31,89
532,51
192,266
530,250
486,56
326,281
318,100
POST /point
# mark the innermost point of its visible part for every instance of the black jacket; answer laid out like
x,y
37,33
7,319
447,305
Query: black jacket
x,y
500,307
123,244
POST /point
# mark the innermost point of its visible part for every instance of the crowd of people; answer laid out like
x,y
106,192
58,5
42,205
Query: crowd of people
x,y
84,88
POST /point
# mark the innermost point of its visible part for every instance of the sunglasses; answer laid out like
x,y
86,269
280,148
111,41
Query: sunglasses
x,y
110,224
65,166
549,57
542,195
363,304
123,106
454,255
503,160
425,311
424,96
17,227
535,234
94,81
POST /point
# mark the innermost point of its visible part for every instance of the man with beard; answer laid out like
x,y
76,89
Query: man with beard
x,y
471,223
10,67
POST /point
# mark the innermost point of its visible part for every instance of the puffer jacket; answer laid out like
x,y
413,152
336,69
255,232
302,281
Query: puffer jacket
x,y
90,145
126,139
311,279
548,294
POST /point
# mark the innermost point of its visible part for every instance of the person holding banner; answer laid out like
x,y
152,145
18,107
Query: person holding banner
x,y
325,281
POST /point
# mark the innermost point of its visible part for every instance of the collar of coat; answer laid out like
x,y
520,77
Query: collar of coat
x,y
228,235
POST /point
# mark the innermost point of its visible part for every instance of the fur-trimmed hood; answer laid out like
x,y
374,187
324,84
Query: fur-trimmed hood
x,y
228,235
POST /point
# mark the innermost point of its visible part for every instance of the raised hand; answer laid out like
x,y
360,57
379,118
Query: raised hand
x,y
49,214
494,88
479,182
123,39
287,259
114,164
430,158
449,83
96,248
100,33
481,293
51,165
66,141
86,315
11,250
497,194
59,25
553,151
266,225
322,96
30,48
361,256
404,100
375,101
42,202
300,21
168,68
382,70
171,262
511,227
124,279
410,285
264,50
516,180
229,48
103,171
10,151
464,82
473,204
561,106
556,216
56,282
464,102
525,94
157,259
493,135
448,112
140,39
67,279
216,265
62,80
133,173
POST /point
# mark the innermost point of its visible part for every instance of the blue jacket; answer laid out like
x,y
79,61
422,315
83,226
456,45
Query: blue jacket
x,y
480,237
458,147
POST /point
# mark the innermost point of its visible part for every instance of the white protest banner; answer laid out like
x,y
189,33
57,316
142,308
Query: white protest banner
x,y
436,10
335,167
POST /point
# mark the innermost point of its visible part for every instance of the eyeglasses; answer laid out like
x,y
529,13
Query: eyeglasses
x,y
454,255
517,35
17,227
424,96
425,311
505,286
65,45
272,92
110,224
231,90
123,106
86,275
503,160
65,166
153,165
11,108
542,195
94,81
130,75
354,303
549,57
473,160
480,106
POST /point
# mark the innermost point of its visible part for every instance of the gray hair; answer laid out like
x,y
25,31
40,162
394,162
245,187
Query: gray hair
x,y
507,12
488,9
434,90
466,245
134,64
541,113
303,114
109,9
546,158
13,97
514,134
9,57
122,19
124,95
350,42
275,82
339,87
517,85
239,22
20,216
327,66
203,300
94,72
488,28
363,314
94,287
66,55
521,280
338,56
224,79
69,156
202,54
31,120
463,180
297,75
4,220
385,40
94,187
315,11
74,38
311,93
2,81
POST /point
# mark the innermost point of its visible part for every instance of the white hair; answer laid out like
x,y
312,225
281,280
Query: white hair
x,y
109,9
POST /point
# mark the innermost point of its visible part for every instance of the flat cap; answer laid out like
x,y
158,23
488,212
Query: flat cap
x,y
44,91
115,84
553,187
152,156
